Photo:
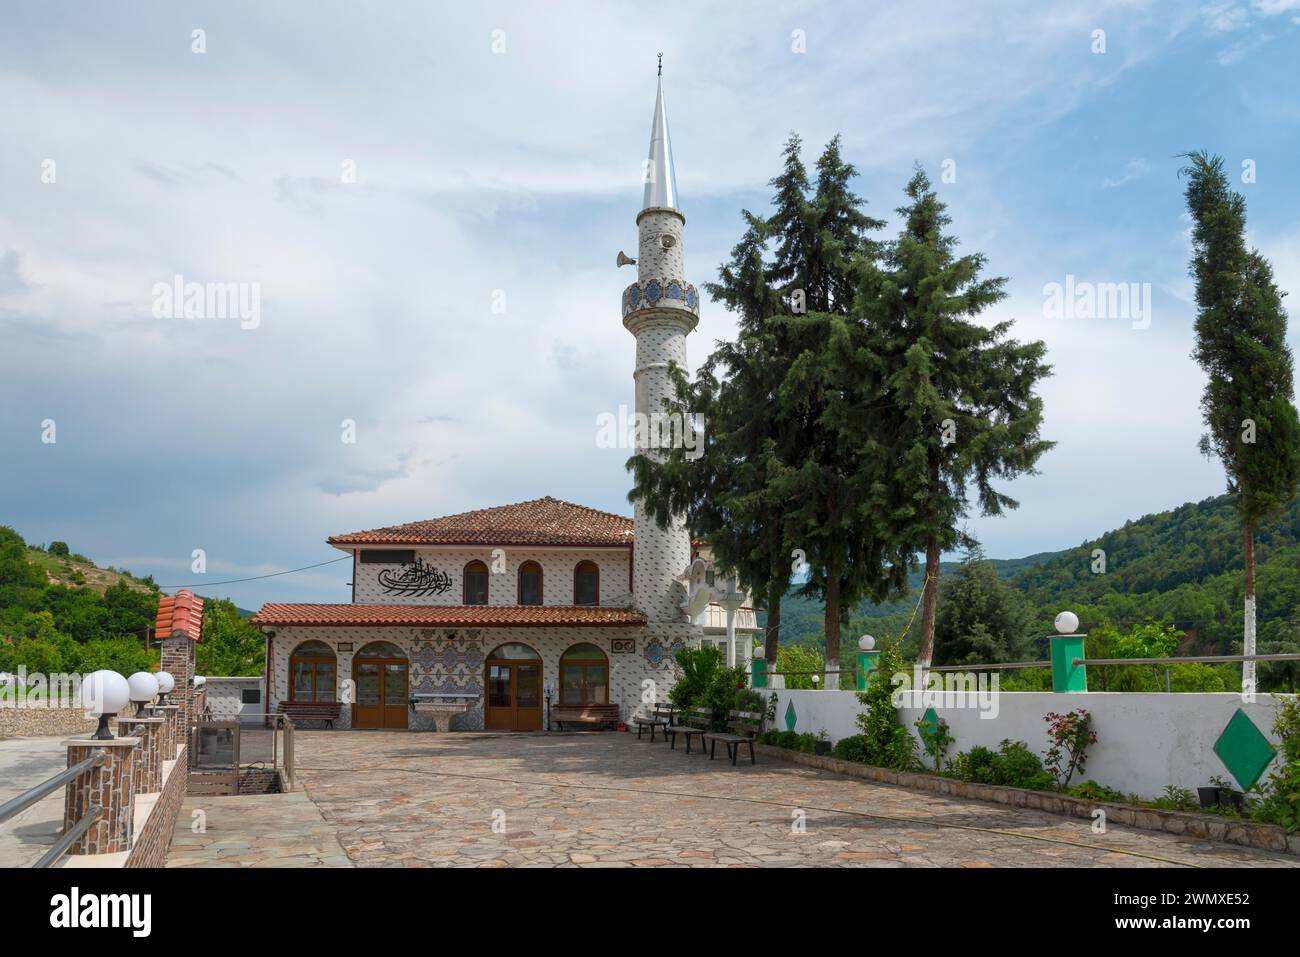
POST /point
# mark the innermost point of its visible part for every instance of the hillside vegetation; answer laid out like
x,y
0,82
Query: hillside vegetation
x,y
59,612
1181,568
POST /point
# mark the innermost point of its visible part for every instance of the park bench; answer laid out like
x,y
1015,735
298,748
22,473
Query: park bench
x,y
697,723
588,714
744,725
660,717
327,711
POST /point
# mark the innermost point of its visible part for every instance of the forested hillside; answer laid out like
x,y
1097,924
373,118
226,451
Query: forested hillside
x,y
59,612
1183,567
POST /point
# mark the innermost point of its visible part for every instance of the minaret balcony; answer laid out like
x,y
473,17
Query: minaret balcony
x,y
661,294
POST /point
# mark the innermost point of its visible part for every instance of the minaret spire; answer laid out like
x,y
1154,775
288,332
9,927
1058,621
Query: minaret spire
x,y
661,178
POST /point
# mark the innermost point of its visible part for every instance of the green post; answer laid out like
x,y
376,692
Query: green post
x,y
1066,676
759,672
868,661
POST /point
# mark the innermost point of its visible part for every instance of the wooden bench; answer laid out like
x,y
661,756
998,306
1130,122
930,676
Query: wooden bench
x,y
660,717
327,711
696,724
591,714
744,725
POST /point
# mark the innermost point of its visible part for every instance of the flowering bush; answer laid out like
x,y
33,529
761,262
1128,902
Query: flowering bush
x,y
1070,735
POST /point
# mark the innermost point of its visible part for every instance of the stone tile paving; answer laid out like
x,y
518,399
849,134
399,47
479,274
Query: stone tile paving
x,y
262,830
25,763
402,799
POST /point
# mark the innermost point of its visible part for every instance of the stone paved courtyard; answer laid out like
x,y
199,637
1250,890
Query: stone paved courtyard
x,y
399,799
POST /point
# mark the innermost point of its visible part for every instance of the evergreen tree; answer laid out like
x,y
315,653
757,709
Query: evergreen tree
x,y
1250,419
981,618
778,472
957,398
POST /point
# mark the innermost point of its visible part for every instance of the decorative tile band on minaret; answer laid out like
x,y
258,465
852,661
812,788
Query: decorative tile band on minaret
x,y
660,309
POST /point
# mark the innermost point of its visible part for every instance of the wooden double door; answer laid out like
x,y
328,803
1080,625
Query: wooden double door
x,y
381,687
514,695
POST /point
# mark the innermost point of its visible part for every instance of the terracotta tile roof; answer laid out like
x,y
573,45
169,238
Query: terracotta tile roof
x,y
543,521
459,616
179,614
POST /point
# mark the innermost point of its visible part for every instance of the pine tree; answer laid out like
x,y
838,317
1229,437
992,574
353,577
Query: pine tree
x,y
957,398
981,618
1250,419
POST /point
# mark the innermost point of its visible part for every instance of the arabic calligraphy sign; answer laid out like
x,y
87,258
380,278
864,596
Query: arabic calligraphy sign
x,y
415,579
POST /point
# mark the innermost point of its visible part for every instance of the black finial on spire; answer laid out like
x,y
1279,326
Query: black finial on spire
x,y
661,64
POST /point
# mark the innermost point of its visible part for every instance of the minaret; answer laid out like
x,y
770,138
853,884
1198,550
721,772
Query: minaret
x,y
660,309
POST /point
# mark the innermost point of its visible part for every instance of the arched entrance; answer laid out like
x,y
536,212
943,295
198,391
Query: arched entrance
x,y
379,677
514,689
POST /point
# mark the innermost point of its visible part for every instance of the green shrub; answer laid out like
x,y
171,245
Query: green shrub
x,y
852,748
1177,799
696,668
1280,803
1092,791
791,741
886,742
1011,765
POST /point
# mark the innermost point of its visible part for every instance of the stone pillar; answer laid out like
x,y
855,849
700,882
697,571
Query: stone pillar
x,y
1066,676
759,670
148,756
111,786
178,661
171,737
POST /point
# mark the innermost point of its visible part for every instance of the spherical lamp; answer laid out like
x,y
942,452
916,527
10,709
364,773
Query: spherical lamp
x,y
143,687
104,693
165,685
866,643
1067,623
200,681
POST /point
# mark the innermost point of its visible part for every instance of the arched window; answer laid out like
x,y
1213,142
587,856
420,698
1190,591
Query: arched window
x,y
584,676
311,672
530,583
476,583
586,584
381,649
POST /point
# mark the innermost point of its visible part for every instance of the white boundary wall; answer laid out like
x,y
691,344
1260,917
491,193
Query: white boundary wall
x,y
1144,741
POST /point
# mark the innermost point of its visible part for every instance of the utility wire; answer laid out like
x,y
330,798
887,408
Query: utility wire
x,y
254,578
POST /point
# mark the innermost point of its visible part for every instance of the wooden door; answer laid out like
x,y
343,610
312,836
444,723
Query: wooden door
x,y
381,693
514,696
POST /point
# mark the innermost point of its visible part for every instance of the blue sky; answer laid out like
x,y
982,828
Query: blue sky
x,y
519,171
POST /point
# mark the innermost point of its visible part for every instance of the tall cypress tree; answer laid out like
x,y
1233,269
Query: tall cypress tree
x,y
1248,403
957,398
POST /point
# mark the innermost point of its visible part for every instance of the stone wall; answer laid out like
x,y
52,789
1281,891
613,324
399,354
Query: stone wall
x,y
28,722
153,838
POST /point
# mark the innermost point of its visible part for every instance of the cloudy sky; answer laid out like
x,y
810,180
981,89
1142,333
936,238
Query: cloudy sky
x,y
386,173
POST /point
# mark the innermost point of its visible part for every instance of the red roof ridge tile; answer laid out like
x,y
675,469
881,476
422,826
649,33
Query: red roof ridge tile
x,y
539,521
464,616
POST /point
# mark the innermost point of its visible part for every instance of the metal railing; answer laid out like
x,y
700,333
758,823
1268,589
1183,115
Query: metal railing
x,y
227,744
47,787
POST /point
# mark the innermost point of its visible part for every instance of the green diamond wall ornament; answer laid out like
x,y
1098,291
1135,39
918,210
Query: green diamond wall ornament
x,y
790,718
929,722
1244,750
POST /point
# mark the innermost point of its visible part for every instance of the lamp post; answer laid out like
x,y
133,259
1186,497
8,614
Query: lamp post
x,y
143,687
549,689
165,685
868,659
104,693
730,597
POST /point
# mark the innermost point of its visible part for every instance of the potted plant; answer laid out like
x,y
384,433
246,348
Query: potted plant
x,y
823,744
1209,796
1228,796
